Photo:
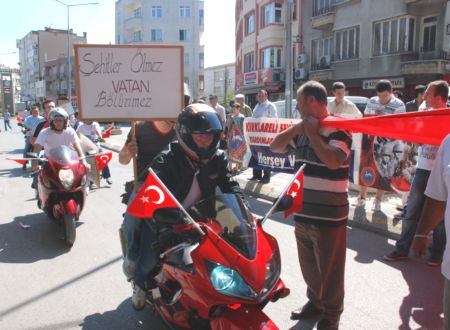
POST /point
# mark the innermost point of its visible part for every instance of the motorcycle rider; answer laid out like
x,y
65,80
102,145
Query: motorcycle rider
x,y
92,130
57,134
191,169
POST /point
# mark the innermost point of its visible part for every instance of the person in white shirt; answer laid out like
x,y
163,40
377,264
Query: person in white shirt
x,y
435,209
213,100
264,108
385,103
340,106
92,130
57,134
435,98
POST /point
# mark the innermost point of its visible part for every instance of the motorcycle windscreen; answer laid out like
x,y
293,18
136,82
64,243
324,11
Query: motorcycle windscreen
x,y
63,154
236,222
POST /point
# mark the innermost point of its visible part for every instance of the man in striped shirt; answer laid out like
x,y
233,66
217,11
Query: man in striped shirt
x,y
320,227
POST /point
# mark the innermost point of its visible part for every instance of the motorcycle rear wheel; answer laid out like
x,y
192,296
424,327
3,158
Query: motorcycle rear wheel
x,y
69,229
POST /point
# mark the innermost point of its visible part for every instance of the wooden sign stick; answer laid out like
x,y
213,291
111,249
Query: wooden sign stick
x,y
135,169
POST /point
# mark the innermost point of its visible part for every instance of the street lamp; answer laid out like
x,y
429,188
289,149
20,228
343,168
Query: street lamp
x,y
69,80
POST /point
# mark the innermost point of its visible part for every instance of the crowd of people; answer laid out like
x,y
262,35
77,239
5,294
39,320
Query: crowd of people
x,y
186,156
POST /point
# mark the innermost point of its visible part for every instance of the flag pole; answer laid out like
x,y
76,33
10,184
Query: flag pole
x,y
282,194
135,169
191,221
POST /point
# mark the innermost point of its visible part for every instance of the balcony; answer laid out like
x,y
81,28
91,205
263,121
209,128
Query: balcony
x,y
323,18
425,62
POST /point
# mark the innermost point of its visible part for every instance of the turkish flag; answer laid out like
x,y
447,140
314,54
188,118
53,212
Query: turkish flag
x,y
21,161
103,160
152,196
296,191
107,133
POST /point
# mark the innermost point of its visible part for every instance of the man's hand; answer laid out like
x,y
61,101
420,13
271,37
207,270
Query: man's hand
x,y
311,126
86,164
420,246
35,168
132,148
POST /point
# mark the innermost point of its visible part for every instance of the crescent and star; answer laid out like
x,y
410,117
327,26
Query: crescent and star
x,y
145,198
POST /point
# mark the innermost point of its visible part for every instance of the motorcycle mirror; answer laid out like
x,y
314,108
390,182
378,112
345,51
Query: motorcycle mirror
x,y
32,155
284,203
169,216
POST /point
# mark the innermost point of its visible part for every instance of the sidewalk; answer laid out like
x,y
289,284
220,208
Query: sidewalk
x,y
382,221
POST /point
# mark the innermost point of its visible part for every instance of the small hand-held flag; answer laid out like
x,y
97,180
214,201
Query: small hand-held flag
x,y
296,191
152,196
103,160
21,161
107,133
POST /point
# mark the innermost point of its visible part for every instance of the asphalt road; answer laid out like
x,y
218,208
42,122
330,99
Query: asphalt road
x,y
46,286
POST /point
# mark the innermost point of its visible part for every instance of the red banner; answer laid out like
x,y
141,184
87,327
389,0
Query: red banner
x,y
425,127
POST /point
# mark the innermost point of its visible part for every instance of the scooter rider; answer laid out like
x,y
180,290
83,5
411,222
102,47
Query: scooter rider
x,y
191,169
57,134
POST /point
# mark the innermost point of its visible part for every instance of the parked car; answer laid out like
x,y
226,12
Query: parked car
x,y
360,101
281,106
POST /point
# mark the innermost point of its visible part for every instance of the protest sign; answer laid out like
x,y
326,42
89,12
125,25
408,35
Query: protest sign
x,y
129,82
259,133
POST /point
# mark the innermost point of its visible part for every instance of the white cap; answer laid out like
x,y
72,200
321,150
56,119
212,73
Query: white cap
x,y
239,96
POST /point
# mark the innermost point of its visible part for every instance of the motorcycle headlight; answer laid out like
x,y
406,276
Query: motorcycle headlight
x,y
273,270
228,282
66,178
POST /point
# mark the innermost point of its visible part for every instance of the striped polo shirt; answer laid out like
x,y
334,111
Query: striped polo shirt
x,y
325,199
375,108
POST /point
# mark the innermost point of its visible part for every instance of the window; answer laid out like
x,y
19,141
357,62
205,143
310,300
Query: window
x,y
137,13
137,36
201,59
271,58
186,80
185,11
249,62
250,24
156,35
201,17
322,52
186,58
271,14
119,39
156,11
393,36
346,44
184,35
429,34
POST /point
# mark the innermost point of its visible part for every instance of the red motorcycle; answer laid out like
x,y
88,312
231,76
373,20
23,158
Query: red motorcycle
x,y
62,188
222,279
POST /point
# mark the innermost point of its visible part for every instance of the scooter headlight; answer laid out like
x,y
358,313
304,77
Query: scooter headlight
x,y
228,282
66,177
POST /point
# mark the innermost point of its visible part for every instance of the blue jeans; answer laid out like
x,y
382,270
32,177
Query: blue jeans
x,y
416,200
140,236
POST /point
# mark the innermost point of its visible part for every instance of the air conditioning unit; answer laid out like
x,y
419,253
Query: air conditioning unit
x,y
325,60
301,59
300,74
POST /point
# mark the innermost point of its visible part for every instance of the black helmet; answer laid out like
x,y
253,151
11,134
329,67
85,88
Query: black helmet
x,y
198,118
57,113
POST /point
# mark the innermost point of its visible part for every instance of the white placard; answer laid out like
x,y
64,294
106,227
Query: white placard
x,y
371,83
129,82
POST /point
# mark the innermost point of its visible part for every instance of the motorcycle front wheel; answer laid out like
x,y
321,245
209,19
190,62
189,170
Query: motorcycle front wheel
x,y
69,228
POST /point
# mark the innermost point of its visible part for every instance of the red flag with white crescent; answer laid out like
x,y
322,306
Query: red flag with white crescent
x,y
296,191
152,196
107,133
103,160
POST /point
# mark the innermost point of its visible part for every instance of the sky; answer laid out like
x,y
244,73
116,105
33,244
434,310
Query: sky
x,y
19,17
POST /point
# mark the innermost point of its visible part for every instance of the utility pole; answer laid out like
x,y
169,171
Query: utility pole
x,y
289,81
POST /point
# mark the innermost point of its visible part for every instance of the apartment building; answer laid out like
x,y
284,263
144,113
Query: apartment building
x,y
220,80
260,46
38,47
9,89
176,22
362,41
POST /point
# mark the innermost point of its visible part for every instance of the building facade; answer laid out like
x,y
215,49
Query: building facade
x,y
220,80
9,89
355,41
38,47
361,42
166,22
